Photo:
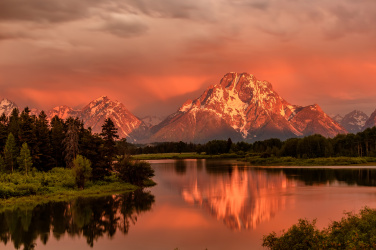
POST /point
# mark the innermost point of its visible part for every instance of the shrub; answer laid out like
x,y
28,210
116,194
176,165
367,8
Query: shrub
x,y
81,170
353,231
134,172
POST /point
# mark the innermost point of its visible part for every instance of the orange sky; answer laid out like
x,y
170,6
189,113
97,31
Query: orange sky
x,y
153,55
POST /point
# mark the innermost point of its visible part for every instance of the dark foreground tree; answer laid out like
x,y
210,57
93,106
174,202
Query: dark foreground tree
x,y
71,142
109,135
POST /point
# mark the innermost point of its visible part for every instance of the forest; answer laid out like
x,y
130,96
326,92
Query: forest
x,y
40,155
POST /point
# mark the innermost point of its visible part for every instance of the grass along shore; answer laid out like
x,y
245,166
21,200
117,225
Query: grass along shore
x,y
59,184
329,161
257,160
191,155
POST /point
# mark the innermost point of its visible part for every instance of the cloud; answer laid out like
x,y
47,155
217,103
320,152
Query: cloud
x,y
345,19
257,4
45,10
4,35
124,26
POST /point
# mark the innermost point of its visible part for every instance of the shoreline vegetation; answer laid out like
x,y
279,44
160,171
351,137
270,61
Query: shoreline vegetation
x,y
59,184
353,231
259,160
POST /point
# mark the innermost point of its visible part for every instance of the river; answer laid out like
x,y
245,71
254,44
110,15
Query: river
x,y
197,204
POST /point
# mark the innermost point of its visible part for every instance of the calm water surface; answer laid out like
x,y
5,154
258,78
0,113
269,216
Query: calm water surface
x,y
197,204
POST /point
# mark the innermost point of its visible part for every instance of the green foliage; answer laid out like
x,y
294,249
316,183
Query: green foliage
x,y
10,153
81,170
25,160
353,231
2,164
303,235
134,171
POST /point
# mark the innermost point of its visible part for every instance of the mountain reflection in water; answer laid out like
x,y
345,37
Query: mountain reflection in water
x,y
243,197
92,218
240,197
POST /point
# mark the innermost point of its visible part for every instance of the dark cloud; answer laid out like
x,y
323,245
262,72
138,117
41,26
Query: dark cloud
x,y
42,10
125,28
350,19
164,8
256,4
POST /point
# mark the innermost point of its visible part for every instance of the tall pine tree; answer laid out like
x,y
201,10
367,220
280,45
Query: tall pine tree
x,y
109,136
27,132
71,141
10,153
45,161
14,124
57,138
3,130
25,160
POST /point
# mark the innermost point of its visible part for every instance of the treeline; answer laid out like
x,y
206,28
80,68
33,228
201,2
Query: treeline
x,y
313,146
29,142
212,147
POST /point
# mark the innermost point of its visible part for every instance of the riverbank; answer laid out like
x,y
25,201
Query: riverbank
x,y
192,155
56,185
330,161
257,160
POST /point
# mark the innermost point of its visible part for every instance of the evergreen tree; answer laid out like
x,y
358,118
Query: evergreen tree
x,y
3,130
91,147
229,144
109,135
2,164
10,153
44,159
14,124
57,138
71,141
25,160
26,124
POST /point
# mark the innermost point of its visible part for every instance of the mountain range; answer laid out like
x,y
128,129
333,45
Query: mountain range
x,y
239,107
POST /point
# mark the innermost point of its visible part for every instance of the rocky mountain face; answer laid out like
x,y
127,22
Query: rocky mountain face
x,y
62,112
152,120
96,112
337,118
6,107
371,122
93,115
354,121
243,108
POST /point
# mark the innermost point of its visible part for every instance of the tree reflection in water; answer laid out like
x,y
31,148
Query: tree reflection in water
x,y
91,217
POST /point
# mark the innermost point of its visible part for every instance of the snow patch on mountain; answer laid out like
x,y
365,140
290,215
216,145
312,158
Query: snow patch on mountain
x,y
7,106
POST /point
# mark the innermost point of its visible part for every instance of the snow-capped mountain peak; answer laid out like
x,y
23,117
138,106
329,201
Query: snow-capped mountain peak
x,y
95,113
354,121
243,106
7,106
